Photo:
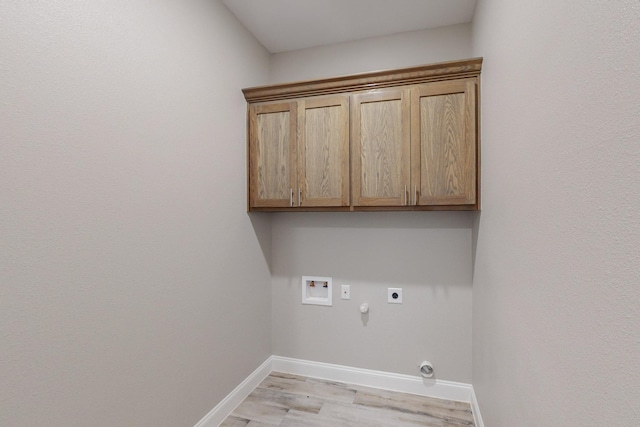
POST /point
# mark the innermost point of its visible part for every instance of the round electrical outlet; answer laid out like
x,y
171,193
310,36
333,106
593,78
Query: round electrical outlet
x,y
394,295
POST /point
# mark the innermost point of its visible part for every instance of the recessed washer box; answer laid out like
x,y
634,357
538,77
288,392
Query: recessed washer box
x,y
317,290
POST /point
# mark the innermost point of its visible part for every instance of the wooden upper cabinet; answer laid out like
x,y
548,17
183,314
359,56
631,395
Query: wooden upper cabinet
x,y
415,146
390,140
443,143
299,153
323,147
272,154
381,148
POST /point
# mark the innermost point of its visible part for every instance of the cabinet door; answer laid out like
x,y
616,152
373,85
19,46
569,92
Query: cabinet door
x,y
272,145
381,148
443,143
323,147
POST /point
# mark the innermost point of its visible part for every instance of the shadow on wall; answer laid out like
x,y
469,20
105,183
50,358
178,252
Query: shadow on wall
x,y
261,223
390,220
474,241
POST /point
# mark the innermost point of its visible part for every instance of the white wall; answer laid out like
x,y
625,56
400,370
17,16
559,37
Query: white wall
x,y
378,53
428,254
556,299
132,283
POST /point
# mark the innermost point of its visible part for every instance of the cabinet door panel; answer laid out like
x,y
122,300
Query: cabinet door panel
x,y
381,148
323,144
443,138
273,154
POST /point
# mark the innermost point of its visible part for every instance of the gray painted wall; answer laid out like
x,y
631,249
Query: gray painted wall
x,y
132,283
377,53
556,330
428,254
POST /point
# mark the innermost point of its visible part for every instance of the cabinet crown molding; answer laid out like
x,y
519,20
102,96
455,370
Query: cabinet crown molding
x,y
372,80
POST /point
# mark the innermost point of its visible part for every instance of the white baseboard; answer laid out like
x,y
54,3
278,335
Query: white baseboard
x,y
365,377
231,402
376,379
475,409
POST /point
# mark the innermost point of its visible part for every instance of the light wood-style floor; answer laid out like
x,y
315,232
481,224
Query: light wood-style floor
x,y
292,400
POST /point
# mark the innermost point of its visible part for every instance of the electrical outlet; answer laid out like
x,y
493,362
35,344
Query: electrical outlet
x,y
345,292
394,295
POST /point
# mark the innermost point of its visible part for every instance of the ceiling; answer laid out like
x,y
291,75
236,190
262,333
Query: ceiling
x,y
283,25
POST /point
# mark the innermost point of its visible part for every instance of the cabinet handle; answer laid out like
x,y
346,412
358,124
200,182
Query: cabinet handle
x,y
406,199
291,197
299,197
415,194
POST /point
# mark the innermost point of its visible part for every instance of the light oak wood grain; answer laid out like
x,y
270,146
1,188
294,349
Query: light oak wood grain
x,y
323,141
299,154
381,148
403,139
443,143
273,153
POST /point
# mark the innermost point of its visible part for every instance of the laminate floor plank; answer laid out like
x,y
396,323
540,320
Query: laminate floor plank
x,y
241,422
310,387
357,415
262,411
287,400
450,411
284,399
